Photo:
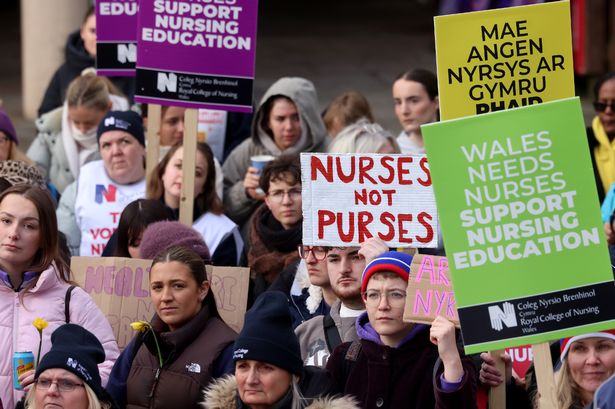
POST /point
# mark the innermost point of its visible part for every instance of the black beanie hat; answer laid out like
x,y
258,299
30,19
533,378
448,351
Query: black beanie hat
x,y
268,336
127,121
76,350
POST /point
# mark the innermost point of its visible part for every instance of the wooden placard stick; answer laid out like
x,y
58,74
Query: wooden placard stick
x,y
186,203
497,394
544,376
153,139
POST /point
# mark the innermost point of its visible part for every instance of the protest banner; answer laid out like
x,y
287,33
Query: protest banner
x,y
120,288
503,58
517,199
116,37
197,54
430,291
348,198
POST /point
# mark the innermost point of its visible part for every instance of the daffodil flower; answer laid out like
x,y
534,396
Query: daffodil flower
x,y
40,324
144,326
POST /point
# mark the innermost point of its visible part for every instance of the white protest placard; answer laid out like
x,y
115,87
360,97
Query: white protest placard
x,y
348,198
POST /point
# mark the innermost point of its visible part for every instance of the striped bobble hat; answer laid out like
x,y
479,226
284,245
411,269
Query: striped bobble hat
x,y
566,342
392,261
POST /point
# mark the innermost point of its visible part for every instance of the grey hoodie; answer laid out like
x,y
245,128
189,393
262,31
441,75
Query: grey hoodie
x,y
238,205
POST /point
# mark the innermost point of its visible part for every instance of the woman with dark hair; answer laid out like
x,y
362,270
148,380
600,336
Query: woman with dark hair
x,y
219,232
133,221
34,283
415,94
188,345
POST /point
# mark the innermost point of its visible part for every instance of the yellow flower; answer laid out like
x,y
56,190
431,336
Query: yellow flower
x,y
40,324
140,326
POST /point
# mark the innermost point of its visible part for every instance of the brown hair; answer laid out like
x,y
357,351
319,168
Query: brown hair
x,y
48,252
266,112
195,264
207,200
346,109
91,91
424,77
284,167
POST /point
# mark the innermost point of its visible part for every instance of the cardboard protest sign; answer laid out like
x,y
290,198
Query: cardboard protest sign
x,y
503,58
116,37
518,204
521,358
197,54
430,291
120,288
348,198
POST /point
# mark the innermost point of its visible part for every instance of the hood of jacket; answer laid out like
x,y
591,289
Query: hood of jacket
x,y
222,394
367,332
303,94
76,57
301,283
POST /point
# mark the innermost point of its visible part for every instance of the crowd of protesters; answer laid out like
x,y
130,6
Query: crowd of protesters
x,y
325,326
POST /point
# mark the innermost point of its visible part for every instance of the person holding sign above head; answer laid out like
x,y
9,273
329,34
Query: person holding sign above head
x,y
219,232
415,94
320,335
397,364
90,207
66,137
286,122
184,347
35,283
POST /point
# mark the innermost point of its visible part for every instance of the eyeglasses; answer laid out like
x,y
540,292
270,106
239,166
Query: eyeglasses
x,y
395,298
601,106
277,196
63,385
318,252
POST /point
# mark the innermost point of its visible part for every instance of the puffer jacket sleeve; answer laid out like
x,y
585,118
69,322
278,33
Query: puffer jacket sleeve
x,y
67,222
40,151
85,312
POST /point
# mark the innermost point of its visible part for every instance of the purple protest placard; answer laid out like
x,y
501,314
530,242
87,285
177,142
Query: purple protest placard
x,y
116,37
197,54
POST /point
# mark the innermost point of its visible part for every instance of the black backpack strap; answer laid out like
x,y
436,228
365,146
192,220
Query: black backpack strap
x,y
69,290
332,335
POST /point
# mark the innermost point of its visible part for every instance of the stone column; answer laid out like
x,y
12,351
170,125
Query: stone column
x,y
45,25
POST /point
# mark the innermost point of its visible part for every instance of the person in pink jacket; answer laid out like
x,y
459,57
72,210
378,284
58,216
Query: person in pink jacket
x,y
35,283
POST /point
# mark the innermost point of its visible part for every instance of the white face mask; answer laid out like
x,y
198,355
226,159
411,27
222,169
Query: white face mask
x,y
85,139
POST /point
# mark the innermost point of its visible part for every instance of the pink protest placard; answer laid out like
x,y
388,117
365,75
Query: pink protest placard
x,y
120,288
430,291
348,198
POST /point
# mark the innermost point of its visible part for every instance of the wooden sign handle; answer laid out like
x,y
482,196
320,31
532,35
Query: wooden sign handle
x,y
186,202
154,114
544,376
497,394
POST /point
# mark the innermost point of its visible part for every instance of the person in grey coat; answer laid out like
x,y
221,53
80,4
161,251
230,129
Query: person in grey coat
x,y
287,121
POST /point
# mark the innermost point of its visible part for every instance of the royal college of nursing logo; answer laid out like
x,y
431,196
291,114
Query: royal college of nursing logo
x,y
500,317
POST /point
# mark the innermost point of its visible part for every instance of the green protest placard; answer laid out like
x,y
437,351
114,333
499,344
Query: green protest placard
x,y
518,207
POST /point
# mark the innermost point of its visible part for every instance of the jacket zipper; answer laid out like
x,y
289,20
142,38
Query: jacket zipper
x,y
154,386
